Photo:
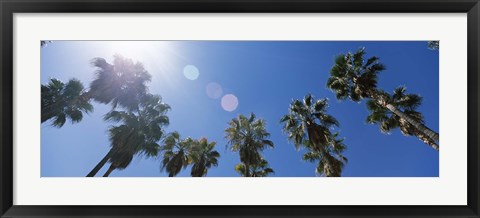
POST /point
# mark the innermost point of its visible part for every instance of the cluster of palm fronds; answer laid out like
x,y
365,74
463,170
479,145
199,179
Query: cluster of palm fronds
x,y
248,136
179,153
309,125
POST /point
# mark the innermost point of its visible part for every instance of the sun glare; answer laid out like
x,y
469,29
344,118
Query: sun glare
x,y
156,55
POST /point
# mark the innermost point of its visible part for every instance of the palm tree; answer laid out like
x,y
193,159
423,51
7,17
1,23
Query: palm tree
x,y
248,136
388,120
122,83
261,169
351,77
62,101
44,43
137,135
203,157
330,162
308,125
176,153
433,45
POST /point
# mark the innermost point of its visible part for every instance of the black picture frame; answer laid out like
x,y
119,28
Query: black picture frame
x,y
9,7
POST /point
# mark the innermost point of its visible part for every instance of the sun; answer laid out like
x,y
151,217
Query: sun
x,y
158,57
159,53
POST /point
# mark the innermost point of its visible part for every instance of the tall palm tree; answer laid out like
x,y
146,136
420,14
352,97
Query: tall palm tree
x,y
248,136
122,83
175,153
62,101
261,169
203,156
138,133
387,120
307,124
351,77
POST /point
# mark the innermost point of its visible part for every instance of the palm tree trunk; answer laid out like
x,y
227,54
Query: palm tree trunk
x,y
100,165
425,139
110,169
247,171
420,127
247,166
314,138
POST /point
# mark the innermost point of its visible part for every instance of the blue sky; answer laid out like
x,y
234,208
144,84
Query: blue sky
x,y
264,76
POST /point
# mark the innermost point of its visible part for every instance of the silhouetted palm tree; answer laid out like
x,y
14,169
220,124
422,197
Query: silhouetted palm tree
x,y
387,120
261,169
203,156
138,133
248,136
351,77
62,101
175,153
308,125
122,83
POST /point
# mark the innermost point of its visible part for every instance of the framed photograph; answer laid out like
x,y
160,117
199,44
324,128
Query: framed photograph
x,y
239,108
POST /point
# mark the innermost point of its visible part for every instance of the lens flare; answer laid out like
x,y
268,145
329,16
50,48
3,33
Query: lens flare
x,y
191,72
229,102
